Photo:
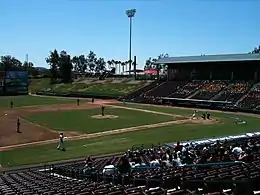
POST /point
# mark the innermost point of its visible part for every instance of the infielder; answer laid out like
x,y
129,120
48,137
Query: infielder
x,y
193,116
61,142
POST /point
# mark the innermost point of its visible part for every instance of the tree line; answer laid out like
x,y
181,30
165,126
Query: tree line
x,y
62,65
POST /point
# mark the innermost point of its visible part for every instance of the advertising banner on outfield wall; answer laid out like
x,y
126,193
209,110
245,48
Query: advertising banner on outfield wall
x,y
16,78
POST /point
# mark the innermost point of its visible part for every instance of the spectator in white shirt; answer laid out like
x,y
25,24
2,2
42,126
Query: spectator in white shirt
x,y
109,170
237,150
154,162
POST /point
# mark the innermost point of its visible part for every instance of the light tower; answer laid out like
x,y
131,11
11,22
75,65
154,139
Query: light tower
x,y
130,14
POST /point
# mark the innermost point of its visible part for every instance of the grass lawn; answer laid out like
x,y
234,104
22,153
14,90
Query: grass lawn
x,y
108,87
80,120
25,100
122,142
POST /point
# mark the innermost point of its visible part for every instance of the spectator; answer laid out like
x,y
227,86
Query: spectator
x,y
124,165
109,170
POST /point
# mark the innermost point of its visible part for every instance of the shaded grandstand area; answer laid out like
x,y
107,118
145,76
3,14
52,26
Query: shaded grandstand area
x,y
214,81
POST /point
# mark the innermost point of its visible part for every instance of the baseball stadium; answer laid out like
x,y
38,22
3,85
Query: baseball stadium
x,y
196,131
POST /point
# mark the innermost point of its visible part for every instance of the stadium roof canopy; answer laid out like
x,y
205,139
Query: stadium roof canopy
x,y
210,58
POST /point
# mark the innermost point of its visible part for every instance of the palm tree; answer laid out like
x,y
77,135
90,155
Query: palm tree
x,y
123,66
119,66
117,63
109,63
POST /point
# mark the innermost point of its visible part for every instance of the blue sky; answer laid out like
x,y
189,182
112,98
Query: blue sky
x,y
176,27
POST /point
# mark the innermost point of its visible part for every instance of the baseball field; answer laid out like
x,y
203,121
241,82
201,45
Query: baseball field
x,y
89,133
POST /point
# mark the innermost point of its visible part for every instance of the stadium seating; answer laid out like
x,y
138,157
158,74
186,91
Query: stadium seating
x,y
210,89
234,91
187,89
252,99
137,94
165,89
174,178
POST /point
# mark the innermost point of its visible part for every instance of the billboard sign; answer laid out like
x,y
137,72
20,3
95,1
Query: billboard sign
x,y
16,78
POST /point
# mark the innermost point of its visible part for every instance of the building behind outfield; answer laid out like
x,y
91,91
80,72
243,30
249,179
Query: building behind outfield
x,y
14,82
213,67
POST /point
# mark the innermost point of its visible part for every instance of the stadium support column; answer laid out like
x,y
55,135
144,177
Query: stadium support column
x,y
130,14
158,69
135,66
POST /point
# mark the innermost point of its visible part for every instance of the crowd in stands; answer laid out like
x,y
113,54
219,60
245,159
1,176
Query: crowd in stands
x,y
210,89
252,99
188,89
234,91
158,170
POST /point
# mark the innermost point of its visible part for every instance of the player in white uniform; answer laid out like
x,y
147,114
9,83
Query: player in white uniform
x,y
61,142
193,116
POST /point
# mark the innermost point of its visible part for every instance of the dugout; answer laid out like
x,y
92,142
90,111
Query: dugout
x,y
213,67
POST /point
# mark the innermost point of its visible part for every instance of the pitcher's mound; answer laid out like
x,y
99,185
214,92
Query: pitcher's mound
x,y
99,116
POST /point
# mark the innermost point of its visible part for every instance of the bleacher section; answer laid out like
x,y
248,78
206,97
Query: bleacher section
x,y
184,169
216,94
209,89
234,91
165,89
252,99
187,90
141,91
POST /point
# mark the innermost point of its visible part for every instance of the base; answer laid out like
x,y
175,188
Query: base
x,y
99,116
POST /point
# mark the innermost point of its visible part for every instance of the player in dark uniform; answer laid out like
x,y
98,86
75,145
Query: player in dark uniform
x,y
11,104
78,101
92,100
18,126
103,110
208,115
204,116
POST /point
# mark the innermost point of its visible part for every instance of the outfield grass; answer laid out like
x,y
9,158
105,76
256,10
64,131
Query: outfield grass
x,y
122,142
20,101
80,120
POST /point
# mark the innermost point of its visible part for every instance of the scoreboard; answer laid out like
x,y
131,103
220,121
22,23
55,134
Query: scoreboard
x,y
13,82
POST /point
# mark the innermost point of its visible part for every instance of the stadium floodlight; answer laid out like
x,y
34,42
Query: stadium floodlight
x,y
130,14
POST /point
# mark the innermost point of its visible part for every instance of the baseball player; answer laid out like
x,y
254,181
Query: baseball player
x,y
18,126
103,110
193,116
61,142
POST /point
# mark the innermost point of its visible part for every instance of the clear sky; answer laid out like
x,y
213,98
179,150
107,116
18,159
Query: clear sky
x,y
176,27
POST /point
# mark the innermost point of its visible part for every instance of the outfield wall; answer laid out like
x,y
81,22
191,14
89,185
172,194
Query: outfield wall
x,y
14,82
